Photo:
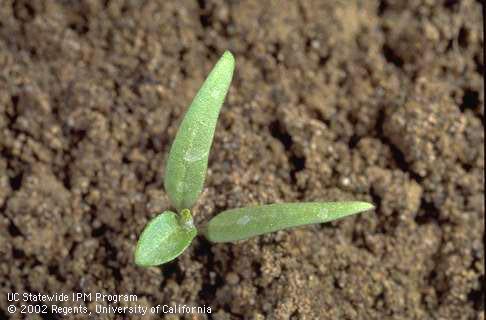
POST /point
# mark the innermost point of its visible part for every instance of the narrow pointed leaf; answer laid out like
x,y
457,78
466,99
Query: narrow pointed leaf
x,y
188,158
163,239
243,223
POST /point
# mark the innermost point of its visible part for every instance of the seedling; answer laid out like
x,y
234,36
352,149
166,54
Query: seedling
x,y
167,235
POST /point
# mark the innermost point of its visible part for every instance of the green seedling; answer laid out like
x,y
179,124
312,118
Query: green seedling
x,y
167,235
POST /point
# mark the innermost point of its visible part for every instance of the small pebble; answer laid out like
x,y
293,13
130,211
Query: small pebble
x,y
232,278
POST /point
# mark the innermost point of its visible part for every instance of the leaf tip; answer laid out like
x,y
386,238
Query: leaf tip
x,y
364,206
228,56
140,259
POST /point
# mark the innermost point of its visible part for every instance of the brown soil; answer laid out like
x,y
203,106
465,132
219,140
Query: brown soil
x,y
332,100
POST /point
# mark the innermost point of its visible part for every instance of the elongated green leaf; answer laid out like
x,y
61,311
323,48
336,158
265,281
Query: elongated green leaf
x,y
164,238
243,223
188,158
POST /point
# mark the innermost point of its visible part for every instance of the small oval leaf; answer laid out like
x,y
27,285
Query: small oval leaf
x,y
163,240
243,223
188,158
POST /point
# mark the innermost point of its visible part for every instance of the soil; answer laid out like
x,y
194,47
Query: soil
x,y
380,101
